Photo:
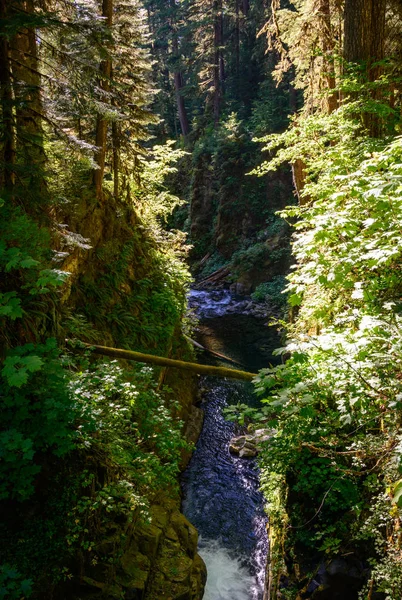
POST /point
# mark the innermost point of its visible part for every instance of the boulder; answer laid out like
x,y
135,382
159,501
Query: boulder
x,y
247,446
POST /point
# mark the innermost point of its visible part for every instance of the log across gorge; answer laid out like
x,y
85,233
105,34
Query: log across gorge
x,y
165,362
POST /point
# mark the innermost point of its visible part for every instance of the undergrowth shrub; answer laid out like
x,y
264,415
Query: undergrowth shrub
x,y
334,405
124,413
272,291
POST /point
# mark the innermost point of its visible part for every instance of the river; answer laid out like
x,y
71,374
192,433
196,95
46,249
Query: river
x,y
221,494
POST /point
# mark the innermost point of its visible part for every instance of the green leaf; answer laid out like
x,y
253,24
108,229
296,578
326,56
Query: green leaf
x,y
295,299
16,368
33,363
398,493
29,262
15,377
10,306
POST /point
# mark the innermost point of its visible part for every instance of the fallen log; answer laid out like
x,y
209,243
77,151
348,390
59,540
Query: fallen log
x,y
166,362
213,352
214,277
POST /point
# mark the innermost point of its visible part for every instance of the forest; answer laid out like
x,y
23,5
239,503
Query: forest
x,y
244,154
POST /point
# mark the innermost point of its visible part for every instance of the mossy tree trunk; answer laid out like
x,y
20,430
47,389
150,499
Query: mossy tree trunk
x,y
168,362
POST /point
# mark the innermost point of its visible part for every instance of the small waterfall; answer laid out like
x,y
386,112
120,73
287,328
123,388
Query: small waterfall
x,y
227,576
211,303
221,498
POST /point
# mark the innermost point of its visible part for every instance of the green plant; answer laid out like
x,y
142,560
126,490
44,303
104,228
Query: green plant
x,y
125,414
26,276
12,585
271,291
334,404
37,415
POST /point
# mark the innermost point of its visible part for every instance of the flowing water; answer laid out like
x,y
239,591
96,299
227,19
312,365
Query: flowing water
x,y
220,491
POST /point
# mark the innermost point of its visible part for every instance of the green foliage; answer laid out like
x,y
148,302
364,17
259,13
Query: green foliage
x,y
129,418
12,585
228,209
28,284
334,405
116,446
256,255
37,415
155,201
271,291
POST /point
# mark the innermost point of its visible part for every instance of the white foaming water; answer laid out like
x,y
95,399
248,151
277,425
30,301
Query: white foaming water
x,y
227,578
209,303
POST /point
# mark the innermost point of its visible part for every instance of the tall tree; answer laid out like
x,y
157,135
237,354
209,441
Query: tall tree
x,y
364,43
177,72
7,178
218,64
105,73
207,21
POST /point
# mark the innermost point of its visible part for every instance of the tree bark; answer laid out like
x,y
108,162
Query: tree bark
x,y
218,66
116,159
101,123
28,100
299,180
328,47
237,39
177,75
364,42
7,178
364,25
181,108
169,362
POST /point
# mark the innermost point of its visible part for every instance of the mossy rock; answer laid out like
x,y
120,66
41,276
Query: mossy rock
x,y
136,567
176,568
106,591
148,537
198,577
171,534
184,594
159,516
109,545
186,532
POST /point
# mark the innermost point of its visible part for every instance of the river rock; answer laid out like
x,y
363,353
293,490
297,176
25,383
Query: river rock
x,y
248,446
341,578
261,436
244,446
240,289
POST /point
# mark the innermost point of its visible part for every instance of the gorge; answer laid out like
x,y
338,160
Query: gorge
x,y
186,187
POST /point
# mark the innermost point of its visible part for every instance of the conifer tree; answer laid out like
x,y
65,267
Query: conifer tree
x,y
208,33
364,43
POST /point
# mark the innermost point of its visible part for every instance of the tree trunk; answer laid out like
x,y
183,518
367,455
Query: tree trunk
x,y
28,98
364,24
221,59
177,76
101,123
178,84
168,362
7,176
299,180
364,41
328,48
116,161
218,60
237,40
